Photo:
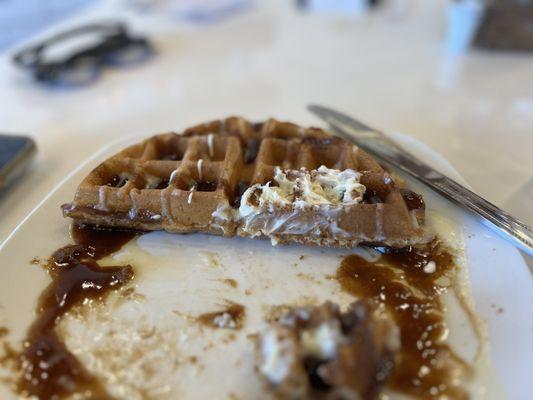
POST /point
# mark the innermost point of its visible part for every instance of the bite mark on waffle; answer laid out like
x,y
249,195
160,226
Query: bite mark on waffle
x,y
201,180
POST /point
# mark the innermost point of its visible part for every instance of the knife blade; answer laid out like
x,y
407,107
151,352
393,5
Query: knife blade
x,y
388,151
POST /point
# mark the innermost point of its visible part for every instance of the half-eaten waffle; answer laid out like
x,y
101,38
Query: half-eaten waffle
x,y
272,179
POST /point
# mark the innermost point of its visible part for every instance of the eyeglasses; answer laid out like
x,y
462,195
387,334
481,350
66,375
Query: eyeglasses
x,y
77,56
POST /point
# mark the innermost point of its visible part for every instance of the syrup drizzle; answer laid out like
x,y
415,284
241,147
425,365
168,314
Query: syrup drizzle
x,y
48,370
251,150
399,280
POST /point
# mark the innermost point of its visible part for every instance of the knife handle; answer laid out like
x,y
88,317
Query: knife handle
x,y
510,227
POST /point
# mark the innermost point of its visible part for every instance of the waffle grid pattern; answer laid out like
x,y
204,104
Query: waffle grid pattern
x,y
176,181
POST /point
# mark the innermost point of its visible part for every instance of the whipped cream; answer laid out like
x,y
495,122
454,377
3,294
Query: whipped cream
x,y
273,210
303,188
322,342
225,320
277,349
276,210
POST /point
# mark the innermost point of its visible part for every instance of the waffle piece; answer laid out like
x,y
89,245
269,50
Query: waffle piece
x,y
195,181
322,353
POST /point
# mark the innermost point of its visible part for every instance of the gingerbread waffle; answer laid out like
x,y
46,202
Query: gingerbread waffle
x,y
194,182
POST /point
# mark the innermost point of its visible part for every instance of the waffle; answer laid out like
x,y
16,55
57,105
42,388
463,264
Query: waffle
x,y
195,181
319,352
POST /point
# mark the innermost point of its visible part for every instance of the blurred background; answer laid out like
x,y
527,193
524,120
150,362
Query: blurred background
x,y
20,19
455,75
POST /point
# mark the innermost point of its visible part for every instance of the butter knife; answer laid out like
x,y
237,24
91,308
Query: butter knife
x,y
386,150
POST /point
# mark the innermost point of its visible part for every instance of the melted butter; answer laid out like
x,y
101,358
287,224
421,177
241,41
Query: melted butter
x,y
47,369
426,367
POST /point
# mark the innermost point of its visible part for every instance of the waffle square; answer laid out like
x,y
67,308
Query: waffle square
x,y
194,182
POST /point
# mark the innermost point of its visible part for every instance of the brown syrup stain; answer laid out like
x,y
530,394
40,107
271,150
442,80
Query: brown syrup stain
x,y
232,317
230,282
371,197
35,261
204,186
413,200
276,312
251,150
3,332
427,367
47,369
163,184
238,192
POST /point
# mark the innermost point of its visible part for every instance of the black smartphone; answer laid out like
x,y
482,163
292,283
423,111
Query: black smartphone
x,y
16,152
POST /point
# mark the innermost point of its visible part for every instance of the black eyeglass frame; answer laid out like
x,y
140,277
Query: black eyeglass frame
x,y
115,39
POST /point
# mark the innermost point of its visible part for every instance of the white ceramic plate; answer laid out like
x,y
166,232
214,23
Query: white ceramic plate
x,y
183,275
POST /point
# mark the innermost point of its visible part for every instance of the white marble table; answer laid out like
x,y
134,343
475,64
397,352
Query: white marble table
x,y
387,68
